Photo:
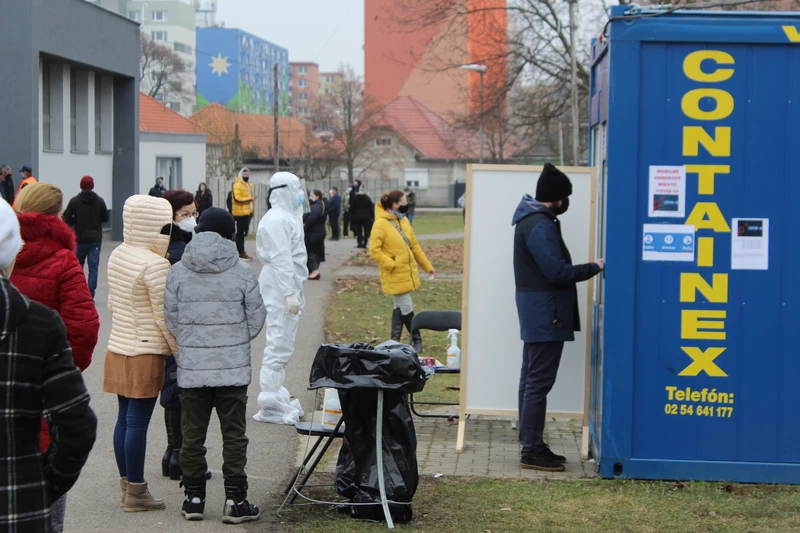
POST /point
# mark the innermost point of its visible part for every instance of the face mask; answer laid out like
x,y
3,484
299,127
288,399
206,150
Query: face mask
x,y
202,189
188,224
246,179
403,209
558,211
300,198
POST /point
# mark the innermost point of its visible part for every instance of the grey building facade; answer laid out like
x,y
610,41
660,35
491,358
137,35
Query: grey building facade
x,y
69,100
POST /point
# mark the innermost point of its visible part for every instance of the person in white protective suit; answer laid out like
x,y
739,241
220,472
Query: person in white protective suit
x,y
281,248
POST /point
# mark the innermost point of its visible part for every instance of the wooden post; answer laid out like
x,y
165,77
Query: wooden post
x,y
275,113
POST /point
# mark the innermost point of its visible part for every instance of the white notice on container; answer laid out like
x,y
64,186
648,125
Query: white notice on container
x,y
750,244
668,242
667,196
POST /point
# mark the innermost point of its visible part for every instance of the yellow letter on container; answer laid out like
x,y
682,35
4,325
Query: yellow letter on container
x,y
722,110
692,63
692,283
719,146
694,322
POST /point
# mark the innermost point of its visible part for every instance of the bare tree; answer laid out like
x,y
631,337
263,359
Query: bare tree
x,y
164,70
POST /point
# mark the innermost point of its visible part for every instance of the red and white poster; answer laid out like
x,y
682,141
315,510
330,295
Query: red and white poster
x,y
667,196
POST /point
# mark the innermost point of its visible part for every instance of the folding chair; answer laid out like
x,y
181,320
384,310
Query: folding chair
x,y
435,321
322,432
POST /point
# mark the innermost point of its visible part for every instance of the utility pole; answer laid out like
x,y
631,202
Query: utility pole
x,y
275,113
574,83
481,98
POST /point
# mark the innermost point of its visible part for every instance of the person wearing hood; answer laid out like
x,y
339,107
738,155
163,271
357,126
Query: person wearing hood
x,y
547,305
203,198
47,272
86,214
281,248
242,209
37,377
139,340
6,184
158,189
394,247
362,214
213,307
315,233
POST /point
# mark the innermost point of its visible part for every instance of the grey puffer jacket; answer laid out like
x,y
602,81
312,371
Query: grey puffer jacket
x,y
213,307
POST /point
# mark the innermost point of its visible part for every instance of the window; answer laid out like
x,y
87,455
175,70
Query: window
x,y
135,15
416,178
329,91
175,106
302,96
183,48
103,113
302,83
160,16
329,79
159,36
302,111
302,71
79,110
170,170
52,107
46,108
383,141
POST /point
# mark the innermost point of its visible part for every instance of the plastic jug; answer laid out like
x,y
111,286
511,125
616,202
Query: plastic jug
x,y
453,351
331,409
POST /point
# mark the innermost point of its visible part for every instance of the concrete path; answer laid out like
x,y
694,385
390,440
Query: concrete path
x,y
93,505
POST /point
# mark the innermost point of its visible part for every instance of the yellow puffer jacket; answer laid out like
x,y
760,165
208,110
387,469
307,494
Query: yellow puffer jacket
x,y
137,276
242,201
396,261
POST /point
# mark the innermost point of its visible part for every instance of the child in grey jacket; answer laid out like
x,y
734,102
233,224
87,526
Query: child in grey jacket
x,y
213,307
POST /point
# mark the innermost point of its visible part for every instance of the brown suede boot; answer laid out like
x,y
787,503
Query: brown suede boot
x,y
138,498
123,484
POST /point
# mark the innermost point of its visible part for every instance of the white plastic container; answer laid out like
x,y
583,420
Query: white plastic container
x,y
331,408
453,351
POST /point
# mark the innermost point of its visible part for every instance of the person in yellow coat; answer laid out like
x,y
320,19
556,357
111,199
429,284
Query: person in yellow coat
x,y
242,209
394,247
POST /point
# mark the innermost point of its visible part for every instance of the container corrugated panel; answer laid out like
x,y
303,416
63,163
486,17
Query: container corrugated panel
x,y
697,368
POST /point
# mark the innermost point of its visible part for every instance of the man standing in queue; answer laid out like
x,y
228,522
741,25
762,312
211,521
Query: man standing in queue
x,y
547,305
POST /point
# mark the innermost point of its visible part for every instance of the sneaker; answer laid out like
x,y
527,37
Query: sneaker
x,y
245,257
239,513
193,507
547,452
542,463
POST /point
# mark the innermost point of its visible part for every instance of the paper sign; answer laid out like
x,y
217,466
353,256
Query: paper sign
x,y
667,196
750,245
668,242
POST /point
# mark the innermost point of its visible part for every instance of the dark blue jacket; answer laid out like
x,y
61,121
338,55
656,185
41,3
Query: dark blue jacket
x,y
547,294
335,204
177,244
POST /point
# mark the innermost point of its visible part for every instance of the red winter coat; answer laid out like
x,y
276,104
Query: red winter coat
x,y
48,272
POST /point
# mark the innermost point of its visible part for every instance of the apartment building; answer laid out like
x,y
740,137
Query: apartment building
x,y
305,88
328,81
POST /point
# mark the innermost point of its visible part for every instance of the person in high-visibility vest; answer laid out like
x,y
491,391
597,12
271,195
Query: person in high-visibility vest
x,y
27,179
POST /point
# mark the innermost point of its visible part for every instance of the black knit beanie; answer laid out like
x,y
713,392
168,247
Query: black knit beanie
x,y
218,221
553,185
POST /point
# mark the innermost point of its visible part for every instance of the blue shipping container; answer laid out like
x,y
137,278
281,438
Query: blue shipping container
x,y
695,122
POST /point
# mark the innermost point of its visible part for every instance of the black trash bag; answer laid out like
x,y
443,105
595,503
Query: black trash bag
x,y
358,371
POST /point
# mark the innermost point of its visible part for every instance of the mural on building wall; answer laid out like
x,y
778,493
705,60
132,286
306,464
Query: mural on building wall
x,y
234,69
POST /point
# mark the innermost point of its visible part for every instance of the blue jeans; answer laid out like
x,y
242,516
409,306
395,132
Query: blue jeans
x,y
90,250
410,218
130,436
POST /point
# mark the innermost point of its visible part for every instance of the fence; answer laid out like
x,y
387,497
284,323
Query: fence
x,y
220,188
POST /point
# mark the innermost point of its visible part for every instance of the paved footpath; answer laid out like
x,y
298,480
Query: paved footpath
x,y
93,505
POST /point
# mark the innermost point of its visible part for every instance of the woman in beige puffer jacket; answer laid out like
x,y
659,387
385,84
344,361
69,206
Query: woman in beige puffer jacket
x,y
134,366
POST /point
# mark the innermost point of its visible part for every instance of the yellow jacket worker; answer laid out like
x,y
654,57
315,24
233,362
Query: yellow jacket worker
x,y
242,208
394,247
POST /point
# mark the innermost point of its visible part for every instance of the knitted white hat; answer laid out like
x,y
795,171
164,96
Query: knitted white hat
x,y
10,241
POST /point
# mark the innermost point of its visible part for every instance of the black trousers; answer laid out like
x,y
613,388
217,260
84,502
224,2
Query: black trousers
x,y
315,247
242,229
345,223
540,362
361,231
333,218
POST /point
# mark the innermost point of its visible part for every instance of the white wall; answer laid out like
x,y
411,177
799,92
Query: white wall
x,y
193,157
65,169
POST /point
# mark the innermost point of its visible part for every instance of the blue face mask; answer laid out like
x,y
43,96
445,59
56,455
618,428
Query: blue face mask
x,y
300,198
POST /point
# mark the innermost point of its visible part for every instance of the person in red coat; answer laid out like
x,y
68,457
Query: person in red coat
x,y
47,272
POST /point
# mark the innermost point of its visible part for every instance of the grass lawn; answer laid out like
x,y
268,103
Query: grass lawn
x,y
435,223
446,255
450,505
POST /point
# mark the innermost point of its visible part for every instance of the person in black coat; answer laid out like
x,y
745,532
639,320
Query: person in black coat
x,y
315,233
203,198
547,305
7,184
158,189
86,214
362,214
334,212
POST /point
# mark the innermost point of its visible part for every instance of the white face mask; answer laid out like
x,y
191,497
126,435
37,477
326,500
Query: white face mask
x,y
188,224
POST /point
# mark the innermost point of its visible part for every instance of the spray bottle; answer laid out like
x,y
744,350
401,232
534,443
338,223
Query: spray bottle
x,y
453,351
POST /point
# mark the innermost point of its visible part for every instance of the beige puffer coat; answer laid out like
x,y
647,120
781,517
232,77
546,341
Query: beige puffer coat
x,y
137,275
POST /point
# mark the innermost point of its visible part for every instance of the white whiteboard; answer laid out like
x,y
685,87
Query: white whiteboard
x,y
491,340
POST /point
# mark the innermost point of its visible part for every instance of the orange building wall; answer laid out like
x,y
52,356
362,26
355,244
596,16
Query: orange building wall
x,y
392,54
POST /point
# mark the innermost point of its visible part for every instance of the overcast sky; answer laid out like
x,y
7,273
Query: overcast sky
x,y
328,32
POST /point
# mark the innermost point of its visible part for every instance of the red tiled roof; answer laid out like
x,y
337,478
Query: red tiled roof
x,y
255,131
156,117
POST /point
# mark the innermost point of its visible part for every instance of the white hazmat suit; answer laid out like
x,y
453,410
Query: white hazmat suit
x,y
281,248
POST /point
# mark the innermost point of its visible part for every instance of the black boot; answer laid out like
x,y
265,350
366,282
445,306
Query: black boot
x,y
195,502
416,338
397,325
173,417
237,509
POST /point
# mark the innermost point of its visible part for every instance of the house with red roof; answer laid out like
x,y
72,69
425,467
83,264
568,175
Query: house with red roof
x,y
170,146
